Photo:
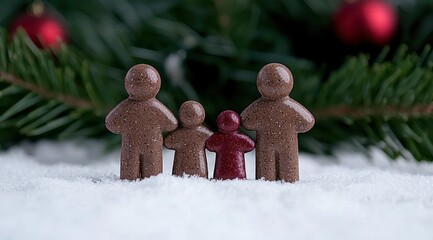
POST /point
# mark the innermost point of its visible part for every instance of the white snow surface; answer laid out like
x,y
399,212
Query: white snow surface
x,y
70,190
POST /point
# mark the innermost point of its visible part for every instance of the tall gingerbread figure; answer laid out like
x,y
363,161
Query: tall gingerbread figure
x,y
141,119
277,119
189,141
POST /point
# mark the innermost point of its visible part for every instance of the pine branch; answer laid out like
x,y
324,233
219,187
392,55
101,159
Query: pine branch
x,y
68,100
47,95
211,52
391,111
381,103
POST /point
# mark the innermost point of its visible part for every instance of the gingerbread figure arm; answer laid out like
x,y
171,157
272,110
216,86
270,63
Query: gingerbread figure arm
x,y
304,119
206,132
116,118
213,143
168,121
250,117
246,143
171,140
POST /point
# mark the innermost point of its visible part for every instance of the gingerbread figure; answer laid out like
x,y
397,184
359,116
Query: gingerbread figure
x,y
230,146
277,119
140,120
189,141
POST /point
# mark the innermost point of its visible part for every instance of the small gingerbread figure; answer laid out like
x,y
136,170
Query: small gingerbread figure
x,y
230,146
189,141
141,120
277,119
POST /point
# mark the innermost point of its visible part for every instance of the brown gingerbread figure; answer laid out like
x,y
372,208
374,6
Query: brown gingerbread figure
x,y
141,119
277,119
189,141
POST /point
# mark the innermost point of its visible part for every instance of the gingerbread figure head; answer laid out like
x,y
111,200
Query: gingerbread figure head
x,y
142,82
274,81
228,121
191,114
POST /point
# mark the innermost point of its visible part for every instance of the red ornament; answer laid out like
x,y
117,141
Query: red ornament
x,y
230,146
366,21
43,29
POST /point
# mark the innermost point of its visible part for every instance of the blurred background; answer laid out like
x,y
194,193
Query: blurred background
x,y
363,67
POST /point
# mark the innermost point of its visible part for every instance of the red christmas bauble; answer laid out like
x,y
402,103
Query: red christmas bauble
x,y
366,21
44,30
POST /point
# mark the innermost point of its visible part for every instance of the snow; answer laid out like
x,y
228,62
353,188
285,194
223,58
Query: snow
x,y
70,190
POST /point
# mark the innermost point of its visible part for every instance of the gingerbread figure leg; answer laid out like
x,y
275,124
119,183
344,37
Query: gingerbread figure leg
x,y
288,164
177,165
129,164
202,164
151,162
265,164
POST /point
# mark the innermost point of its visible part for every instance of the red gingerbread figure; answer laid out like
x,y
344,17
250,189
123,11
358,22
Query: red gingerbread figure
x,y
141,120
230,146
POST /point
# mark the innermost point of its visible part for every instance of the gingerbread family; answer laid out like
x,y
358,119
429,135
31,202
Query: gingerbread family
x,y
275,117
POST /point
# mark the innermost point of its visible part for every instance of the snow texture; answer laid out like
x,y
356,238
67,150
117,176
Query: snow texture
x,y
71,190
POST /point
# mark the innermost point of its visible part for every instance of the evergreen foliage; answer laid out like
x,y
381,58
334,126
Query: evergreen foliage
x,y
211,51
